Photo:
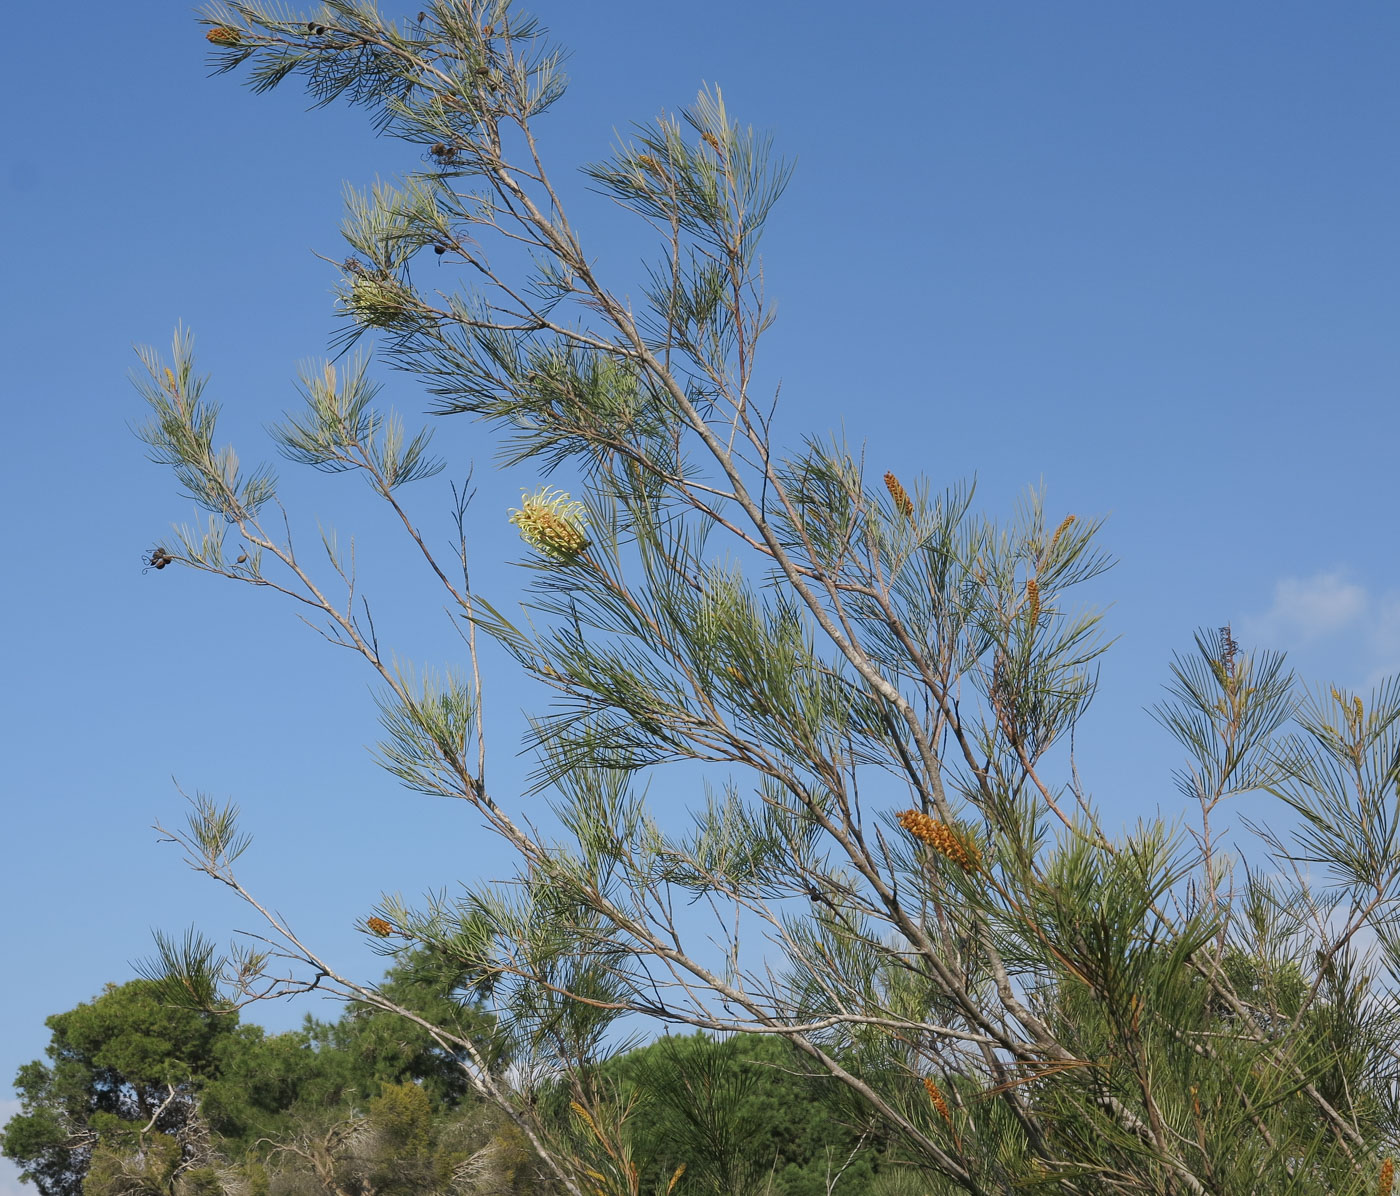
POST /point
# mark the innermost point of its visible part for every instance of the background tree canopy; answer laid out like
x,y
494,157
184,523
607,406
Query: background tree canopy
x,y
367,1104
122,1070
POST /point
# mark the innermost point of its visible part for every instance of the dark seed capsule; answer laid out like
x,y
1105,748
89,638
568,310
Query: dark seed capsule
x,y
439,249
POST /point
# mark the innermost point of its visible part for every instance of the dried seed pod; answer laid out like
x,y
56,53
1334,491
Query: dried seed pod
x,y
156,559
1228,649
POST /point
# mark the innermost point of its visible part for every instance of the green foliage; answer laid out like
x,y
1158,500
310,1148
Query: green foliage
x,y
745,1115
149,1170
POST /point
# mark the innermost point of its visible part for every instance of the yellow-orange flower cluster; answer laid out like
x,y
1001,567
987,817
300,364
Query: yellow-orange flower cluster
x,y
942,838
1065,525
937,1098
902,502
551,523
380,927
1033,599
1387,1178
223,35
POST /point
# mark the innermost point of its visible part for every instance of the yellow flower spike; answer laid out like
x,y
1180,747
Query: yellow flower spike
x,y
902,502
551,524
222,35
1387,1177
942,838
380,927
1033,599
675,1178
587,1118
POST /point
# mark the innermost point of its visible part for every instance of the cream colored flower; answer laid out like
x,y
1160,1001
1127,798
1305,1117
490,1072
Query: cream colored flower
x,y
552,524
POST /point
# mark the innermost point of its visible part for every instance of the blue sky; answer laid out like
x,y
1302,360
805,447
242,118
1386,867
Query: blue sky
x,y
1148,254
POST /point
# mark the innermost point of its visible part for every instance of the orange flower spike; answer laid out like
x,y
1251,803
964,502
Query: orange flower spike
x,y
1387,1178
1033,600
902,502
223,35
937,1098
378,926
942,838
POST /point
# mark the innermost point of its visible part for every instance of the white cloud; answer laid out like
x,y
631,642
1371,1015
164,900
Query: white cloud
x,y
1306,608
1334,629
